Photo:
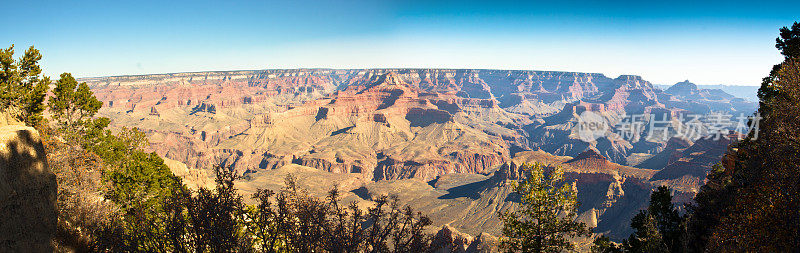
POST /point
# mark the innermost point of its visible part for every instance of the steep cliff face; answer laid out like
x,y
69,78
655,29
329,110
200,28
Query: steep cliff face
x,y
28,213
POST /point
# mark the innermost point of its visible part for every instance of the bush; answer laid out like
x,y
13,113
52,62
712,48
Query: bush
x,y
85,218
290,221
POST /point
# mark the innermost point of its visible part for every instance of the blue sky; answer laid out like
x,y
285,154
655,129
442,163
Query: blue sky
x,y
726,42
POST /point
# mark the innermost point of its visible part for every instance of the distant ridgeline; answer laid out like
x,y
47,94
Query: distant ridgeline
x,y
749,92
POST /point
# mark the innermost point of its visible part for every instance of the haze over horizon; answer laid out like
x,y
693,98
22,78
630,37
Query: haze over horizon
x,y
728,43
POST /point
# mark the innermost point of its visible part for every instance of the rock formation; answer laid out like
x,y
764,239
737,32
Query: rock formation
x,y
448,239
28,213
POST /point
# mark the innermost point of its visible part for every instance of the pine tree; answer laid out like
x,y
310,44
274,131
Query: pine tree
x,y
22,87
668,221
657,229
546,219
646,236
74,106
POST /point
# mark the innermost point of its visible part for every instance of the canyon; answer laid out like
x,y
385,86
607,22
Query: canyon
x,y
445,141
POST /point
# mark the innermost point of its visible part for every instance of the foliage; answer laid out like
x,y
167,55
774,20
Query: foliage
x,y
290,221
302,223
710,204
84,218
546,219
208,221
137,182
750,203
668,221
788,43
765,176
141,184
659,228
646,237
73,107
263,227
22,87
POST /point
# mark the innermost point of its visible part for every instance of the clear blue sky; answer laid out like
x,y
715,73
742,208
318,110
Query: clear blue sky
x,y
726,42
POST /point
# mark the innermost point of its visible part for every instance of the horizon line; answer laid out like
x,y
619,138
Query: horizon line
x,y
391,68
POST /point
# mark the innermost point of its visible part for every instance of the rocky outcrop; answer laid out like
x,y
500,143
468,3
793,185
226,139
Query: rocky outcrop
x,y
684,88
590,158
510,171
425,117
448,240
28,213
329,166
390,169
686,95
697,159
671,153
203,107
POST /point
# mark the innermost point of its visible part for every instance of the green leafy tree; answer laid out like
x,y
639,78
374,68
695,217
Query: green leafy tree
x,y
263,227
22,87
141,185
74,106
546,219
788,43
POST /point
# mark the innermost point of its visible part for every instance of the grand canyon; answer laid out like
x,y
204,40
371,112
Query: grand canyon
x,y
445,141
400,126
